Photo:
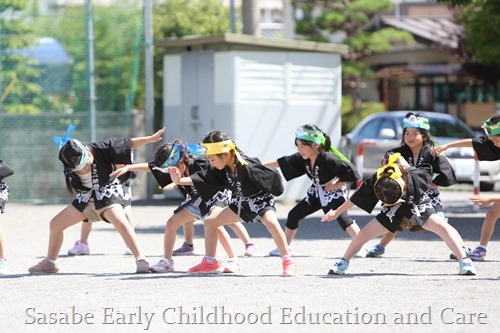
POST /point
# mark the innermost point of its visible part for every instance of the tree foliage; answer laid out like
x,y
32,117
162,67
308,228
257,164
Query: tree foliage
x,y
17,71
180,18
323,18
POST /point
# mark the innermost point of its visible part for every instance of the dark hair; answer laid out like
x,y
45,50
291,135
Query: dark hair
x,y
163,152
428,142
218,136
70,155
328,142
388,190
495,119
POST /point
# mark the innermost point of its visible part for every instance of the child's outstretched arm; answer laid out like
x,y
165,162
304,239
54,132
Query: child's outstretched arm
x,y
141,141
333,214
484,200
272,164
141,167
454,144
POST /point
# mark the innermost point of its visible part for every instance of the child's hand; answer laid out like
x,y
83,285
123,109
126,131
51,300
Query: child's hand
x,y
480,200
440,149
119,172
331,215
175,174
157,136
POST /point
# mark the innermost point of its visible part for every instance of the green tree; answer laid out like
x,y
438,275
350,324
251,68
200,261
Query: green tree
x,y
322,18
179,18
118,35
17,71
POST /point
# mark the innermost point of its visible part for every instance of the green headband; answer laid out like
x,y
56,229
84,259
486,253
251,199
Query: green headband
x,y
491,129
416,122
317,137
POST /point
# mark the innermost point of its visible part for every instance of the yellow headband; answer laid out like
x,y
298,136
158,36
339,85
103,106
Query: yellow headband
x,y
223,147
391,165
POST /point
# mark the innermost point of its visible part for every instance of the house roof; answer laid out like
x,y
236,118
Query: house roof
x,y
412,71
439,30
247,43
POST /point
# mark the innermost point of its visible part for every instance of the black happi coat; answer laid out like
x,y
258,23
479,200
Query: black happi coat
x,y
485,149
5,171
254,178
326,167
445,176
105,190
417,183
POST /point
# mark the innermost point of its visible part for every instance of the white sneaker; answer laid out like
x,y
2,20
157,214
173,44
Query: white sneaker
x,y
232,266
163,266
276,252
79,249
4,267
127,251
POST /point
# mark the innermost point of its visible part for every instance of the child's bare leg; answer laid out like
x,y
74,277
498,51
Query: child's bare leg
x,y
216,219
489,222
128,214
225,241
181,218
435,224
387,238
117,217
353,230
85,232
67,217
270,220
370,231
2,244
240,231
188,229
290,235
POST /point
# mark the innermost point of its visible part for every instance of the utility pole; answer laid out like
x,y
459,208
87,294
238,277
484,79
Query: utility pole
x,y
149,78
91,69
251,17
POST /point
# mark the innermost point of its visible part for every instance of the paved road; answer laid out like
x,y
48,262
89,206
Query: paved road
x,y
415,288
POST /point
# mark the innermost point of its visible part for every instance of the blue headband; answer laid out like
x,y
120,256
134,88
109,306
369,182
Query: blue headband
x,y
61,140
416,122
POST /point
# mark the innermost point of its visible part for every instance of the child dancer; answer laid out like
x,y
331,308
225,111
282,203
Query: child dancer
x,y
81,246
487,148
416,148
98,196
329,171
187,159
253,188
5,171
402,189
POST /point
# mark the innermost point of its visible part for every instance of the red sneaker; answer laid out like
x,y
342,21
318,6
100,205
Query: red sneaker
x,y
205,268
289,268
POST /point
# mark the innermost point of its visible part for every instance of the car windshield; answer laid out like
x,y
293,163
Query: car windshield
x,y
448,129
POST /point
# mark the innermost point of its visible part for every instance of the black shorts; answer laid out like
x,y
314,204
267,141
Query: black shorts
x,y
250,209
392,216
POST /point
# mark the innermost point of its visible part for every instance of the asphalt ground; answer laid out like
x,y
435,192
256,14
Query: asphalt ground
x,y
415,288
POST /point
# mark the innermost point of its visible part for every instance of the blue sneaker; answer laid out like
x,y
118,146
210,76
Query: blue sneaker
x,y
339,267
478,254
376,252
466,267
467,251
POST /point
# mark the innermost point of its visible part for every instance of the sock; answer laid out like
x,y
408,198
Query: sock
x,y
288,257
190,245
248,244
140,258
52,261
483,246
210,260
84,242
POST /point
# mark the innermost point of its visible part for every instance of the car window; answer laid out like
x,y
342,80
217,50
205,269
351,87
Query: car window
x,y
370,130
387,123
449,129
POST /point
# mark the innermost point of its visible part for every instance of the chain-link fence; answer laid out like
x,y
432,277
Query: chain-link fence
x,y
45,83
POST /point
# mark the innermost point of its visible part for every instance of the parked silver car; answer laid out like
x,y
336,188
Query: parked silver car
x,y
385,130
